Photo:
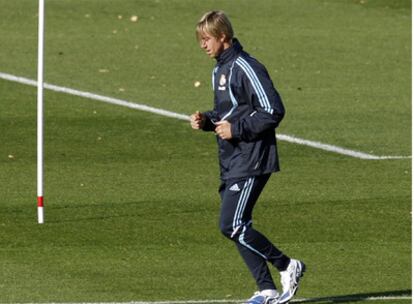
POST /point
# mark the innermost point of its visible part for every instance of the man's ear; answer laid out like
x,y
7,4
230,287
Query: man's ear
x,y
223,38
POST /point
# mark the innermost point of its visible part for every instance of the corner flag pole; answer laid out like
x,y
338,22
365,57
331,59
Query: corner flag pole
x,y
40,212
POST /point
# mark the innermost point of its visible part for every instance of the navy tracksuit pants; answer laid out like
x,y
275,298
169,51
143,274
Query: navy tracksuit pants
x,y
238,197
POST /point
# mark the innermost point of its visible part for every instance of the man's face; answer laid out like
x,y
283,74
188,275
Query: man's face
x,y
213,46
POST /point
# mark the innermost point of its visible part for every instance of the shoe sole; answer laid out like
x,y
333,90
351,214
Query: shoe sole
x,y
261,300
256,300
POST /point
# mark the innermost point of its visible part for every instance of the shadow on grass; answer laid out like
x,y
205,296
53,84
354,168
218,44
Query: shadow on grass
x,y
390,295
109,211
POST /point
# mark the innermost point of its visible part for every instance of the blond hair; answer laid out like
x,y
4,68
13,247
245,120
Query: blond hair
x,y
214,23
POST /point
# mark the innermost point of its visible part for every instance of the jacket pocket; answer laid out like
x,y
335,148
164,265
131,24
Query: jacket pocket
x,y
247,150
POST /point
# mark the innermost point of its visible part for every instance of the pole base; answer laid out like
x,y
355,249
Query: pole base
x,y
40,212
40,215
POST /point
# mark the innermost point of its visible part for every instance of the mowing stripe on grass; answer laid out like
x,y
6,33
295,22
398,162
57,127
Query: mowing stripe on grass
x,y
337,299
145,108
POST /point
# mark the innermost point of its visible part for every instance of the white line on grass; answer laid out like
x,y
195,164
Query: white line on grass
x,y
335,149
142,107
299,300
89,95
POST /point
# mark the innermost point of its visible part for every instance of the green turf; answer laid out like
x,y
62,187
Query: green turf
x,y
338,64
131,197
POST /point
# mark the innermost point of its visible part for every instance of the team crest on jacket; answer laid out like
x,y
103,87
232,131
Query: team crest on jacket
x,y
223,80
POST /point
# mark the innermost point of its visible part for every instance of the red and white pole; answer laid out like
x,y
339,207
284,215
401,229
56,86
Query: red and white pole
x,y
40,211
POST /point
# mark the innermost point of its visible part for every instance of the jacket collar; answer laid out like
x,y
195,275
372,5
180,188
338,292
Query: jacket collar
x,y
230,53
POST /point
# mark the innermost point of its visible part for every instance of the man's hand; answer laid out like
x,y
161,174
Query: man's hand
x,y
197,120
223,129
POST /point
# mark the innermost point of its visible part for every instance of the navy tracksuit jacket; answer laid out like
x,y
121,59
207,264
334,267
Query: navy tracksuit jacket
x,y
245,96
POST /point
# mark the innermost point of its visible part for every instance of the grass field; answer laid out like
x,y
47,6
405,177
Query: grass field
x,y
131,197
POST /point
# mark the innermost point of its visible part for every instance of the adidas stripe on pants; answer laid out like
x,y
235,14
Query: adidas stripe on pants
x,y
238,197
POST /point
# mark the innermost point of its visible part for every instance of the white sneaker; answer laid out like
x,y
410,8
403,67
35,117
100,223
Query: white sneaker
x,y
268,296
290,280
